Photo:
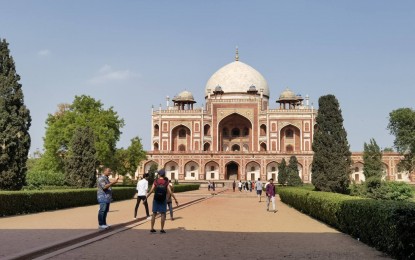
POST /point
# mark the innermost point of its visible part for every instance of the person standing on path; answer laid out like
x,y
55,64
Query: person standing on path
x,y
169,202
104,196
258,187
142,189
270,192
233,185
240,186
161,190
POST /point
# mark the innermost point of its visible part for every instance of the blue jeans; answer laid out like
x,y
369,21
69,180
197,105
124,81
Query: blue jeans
x,y
102,213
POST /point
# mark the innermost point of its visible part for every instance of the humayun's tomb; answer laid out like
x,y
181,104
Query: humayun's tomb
x,y
240,133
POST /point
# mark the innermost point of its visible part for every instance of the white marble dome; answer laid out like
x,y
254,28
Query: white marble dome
x,y
237,77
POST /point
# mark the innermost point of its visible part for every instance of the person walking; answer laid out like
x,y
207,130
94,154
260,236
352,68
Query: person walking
x,y
161,190
142,189
250,186
270,193
258,188
104,196
240,186
169,202
233,185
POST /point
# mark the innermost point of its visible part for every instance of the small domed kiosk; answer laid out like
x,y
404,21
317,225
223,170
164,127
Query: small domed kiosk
x,y
182,99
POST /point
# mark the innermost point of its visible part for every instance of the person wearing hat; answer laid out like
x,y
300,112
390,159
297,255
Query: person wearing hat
x,y
142,189
161,190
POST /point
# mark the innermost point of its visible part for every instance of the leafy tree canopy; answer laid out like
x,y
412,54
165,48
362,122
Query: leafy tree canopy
x,y
15,122
372,160
85,111
282,172
402,126
127,160
293,172
81,163
332,156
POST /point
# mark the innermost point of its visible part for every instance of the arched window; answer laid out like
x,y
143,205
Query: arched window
x,y
236,147
182,133
273,168
206,130
182,148
356,169
252,169
192,168
289,133
246,131
263,147
206,147
289,148
225,131
236,132
156,146
173,168
212,168
263,130
156,130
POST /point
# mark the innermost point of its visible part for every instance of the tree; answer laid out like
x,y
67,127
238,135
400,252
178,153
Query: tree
x,y
372,160
152,174
293,173
129,159
15,122
402,125
332,156
81,162
85,111
282,172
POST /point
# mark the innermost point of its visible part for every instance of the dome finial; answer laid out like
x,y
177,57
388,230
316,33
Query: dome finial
x,y
237,54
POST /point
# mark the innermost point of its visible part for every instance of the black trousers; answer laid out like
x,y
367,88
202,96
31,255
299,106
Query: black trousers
x,y
139,199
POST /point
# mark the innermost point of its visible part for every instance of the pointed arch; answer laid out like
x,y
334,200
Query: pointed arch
x,y
191,171
290,139
172,170
181,138
212,171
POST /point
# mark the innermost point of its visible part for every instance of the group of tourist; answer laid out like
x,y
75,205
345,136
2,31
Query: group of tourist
x,y
269,190
163,194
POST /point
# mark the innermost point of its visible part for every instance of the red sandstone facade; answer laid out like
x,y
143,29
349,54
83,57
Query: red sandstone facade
x,y
237,135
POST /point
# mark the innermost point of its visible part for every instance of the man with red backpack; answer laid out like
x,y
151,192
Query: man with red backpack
x,y
161,190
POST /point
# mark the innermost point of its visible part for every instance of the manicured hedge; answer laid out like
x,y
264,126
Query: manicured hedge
x,y
185,187
23,202
388,226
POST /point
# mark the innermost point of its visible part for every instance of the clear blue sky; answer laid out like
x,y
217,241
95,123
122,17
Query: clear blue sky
x,y
132,54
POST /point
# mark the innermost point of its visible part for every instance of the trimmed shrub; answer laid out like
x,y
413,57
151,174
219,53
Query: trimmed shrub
x,y
374,188
45,178
388,226
185,187
23,202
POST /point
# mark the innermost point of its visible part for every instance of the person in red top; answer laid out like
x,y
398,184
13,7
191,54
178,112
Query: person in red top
x,y
270,193
160,205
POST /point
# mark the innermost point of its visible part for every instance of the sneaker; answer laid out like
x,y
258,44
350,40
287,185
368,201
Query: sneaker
x,y
148,217
162,231
153,231
103,227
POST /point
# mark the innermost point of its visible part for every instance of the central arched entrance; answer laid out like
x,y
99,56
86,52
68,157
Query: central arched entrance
x,y
232,171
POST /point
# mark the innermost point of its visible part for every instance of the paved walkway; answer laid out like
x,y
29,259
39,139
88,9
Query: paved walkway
x,y
226,226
